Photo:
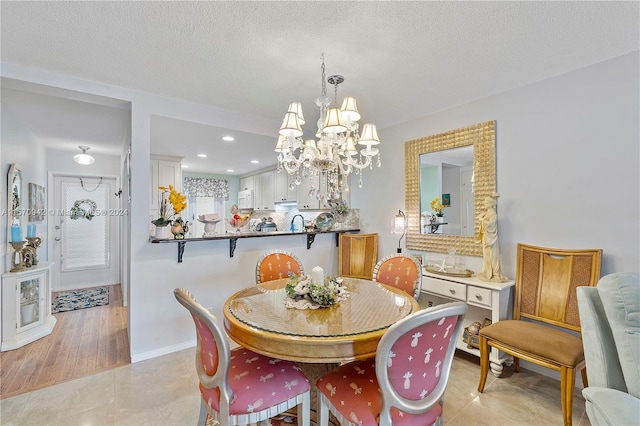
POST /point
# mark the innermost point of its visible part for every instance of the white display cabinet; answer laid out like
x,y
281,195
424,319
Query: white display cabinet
x,y
26,306
484,300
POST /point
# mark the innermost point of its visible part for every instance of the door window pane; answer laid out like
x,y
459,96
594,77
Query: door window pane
x,y
85,236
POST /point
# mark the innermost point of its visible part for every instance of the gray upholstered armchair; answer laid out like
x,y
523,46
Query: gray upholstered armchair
x,y
610,319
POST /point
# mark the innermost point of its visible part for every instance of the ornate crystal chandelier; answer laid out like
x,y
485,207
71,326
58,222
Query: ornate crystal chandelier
x,y
335,155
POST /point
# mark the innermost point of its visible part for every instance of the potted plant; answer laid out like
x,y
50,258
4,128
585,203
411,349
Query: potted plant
x,y
437,208
339,210
172,203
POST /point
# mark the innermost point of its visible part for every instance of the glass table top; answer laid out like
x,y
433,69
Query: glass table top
x,y
369,307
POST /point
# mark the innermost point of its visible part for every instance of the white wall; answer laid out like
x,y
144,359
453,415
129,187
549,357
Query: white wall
x,y
20,146
567,164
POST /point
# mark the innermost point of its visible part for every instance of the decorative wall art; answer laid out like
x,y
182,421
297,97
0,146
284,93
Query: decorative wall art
x,y
36,203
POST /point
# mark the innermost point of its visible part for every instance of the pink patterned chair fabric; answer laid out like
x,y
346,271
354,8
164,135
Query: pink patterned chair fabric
x,y
404,384
276,265
240,386
401,271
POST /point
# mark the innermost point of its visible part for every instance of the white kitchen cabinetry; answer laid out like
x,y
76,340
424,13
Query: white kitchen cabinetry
x,y
247,183
26,306
165,171
302,198
264,192
282,191
484,300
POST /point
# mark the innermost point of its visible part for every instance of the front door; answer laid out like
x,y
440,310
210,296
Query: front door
x,y
83,232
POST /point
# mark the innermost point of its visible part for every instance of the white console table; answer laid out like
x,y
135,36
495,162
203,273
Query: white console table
x,y
26,306
484,300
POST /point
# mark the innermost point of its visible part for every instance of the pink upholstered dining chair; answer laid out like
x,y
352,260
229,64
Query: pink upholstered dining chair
x,y
404,384
277,264
239,386
401,271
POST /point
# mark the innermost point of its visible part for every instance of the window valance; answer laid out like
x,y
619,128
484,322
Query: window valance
x,y
204,187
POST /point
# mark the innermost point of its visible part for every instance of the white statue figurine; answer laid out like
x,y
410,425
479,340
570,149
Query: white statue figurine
x,y
488,237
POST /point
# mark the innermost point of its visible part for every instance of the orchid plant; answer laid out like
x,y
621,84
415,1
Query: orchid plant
x,y
172,203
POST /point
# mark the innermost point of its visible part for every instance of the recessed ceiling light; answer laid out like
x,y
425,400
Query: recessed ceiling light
x,y
230,170
202,155
228,138
254,161
184,166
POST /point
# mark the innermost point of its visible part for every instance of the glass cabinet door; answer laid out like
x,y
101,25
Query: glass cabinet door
x,y
29,301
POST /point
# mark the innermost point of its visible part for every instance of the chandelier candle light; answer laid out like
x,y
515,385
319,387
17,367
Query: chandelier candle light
x,y
335,153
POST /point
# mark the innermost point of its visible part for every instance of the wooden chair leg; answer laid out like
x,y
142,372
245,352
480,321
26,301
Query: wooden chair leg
x,y
485,350
585,379
516,364
567,385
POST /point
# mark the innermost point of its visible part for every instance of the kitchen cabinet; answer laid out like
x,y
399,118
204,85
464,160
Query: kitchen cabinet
x,y
282,191
26,306
302,194
264,193
493,301
165,171
307,203
247,183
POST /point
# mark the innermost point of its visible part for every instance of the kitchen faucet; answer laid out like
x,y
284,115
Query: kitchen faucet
x,y
292,228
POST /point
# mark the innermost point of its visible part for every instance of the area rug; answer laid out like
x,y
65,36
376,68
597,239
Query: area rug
x,y
80,299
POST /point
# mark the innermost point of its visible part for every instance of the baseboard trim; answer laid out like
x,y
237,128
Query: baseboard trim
x,y
162,351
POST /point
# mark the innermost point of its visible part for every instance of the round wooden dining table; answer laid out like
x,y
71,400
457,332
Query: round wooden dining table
x,y
257,318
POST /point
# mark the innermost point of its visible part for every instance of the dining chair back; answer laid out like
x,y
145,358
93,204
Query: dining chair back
x,y
357,255
405,383
544,315
238,386
401,271
277,264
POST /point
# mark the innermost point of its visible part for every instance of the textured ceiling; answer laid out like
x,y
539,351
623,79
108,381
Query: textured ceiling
x,y
402,60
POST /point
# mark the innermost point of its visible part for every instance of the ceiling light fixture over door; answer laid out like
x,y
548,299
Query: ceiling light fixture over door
x,y
83,158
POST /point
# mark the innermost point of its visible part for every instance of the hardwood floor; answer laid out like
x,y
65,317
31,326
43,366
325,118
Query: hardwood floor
x,y
83,342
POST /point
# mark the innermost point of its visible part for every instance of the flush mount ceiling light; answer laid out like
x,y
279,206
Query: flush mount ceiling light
x,y
335,154
228,138
83,158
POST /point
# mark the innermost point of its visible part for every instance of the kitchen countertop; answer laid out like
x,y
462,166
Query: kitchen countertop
x,y
252,234
233,237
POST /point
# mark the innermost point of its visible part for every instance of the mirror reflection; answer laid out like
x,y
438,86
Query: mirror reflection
x,y
14,199
446,192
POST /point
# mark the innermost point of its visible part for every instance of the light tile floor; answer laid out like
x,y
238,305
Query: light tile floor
x,y
163,391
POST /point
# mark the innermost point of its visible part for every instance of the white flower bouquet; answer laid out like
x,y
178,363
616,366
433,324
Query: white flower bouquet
x,y
327,293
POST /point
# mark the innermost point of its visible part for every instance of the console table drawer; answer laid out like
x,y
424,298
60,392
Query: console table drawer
x,y
479,296
447,289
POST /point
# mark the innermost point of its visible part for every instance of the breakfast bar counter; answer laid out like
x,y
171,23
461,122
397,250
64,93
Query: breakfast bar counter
x,y
233,238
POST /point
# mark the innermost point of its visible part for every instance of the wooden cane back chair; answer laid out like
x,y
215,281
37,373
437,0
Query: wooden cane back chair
x,y
545,295
357,255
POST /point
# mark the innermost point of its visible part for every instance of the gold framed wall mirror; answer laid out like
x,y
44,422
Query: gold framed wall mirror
x,y
479,173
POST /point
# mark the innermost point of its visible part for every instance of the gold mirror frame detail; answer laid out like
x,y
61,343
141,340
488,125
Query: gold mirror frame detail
x,y
482,137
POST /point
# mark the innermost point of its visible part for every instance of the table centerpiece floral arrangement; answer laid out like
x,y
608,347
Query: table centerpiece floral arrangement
x,y
305,293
